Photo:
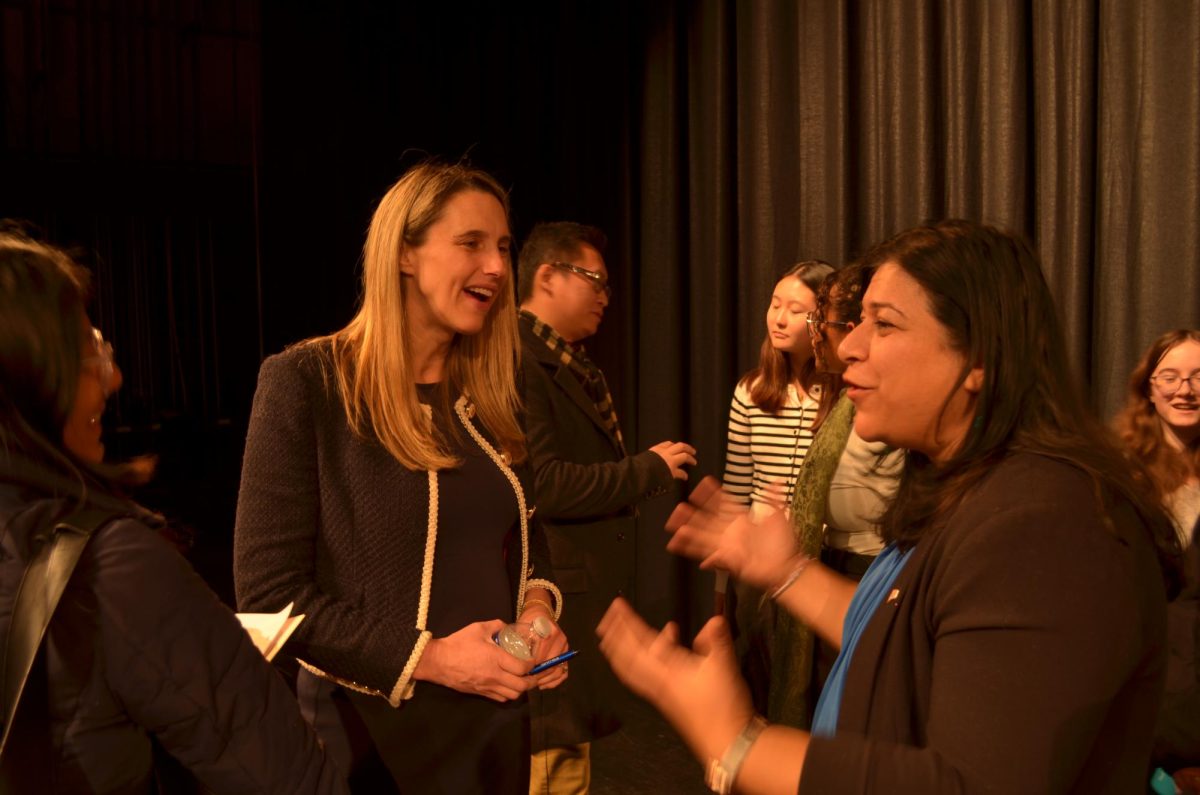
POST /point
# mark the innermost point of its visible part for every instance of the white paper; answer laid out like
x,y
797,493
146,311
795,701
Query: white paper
x,y
269,631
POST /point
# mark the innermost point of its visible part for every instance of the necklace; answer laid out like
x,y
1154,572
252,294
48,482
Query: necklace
x,y
797,461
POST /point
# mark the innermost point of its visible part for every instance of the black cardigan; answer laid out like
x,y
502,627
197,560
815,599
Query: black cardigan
x,y
1022,650
331,521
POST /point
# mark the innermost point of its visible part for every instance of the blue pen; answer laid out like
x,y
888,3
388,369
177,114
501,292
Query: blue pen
x,y
553,661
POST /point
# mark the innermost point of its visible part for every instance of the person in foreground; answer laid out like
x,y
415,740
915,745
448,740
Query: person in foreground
x,y
138,650
1010,636
384,492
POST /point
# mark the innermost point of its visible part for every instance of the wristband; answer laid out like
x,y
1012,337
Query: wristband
x,y
721,772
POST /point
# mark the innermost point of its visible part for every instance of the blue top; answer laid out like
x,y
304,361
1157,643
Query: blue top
x,y
867,597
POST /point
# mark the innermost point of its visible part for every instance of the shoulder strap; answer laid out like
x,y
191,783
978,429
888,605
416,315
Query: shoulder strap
x,y
41,587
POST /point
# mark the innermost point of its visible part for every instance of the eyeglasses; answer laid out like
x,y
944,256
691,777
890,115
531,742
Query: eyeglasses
x,y
1169,382
816,324
103,359
598,282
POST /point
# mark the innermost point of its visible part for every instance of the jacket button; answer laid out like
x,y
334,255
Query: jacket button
x,y
620,536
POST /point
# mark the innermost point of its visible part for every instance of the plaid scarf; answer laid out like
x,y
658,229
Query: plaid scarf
x,y
585,371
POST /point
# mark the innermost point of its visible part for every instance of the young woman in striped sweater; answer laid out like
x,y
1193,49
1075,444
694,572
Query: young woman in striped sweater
x,y
775,411
775,405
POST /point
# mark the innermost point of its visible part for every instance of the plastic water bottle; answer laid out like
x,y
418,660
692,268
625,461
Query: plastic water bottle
x,y
520,638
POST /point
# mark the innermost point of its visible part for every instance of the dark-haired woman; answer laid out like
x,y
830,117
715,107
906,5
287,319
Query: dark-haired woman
x,y
841,490
384,492
138,651
1010,636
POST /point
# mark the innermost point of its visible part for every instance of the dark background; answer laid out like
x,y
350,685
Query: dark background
x,y
216,164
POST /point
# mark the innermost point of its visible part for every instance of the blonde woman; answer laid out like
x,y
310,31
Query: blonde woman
x,y
383,493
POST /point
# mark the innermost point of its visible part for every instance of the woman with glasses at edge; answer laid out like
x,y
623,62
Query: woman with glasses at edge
x,y
385,490
138,652
1160,427
1010,637
1160,423
776,409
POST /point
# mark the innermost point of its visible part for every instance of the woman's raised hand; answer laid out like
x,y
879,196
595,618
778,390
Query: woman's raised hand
x,y
720,532
700,692
469,661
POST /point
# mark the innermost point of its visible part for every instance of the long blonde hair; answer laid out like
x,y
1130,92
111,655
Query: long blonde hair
x,y
371,358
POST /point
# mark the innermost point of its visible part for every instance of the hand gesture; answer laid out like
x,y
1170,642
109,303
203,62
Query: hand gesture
x,y
699,692
720,532
677,455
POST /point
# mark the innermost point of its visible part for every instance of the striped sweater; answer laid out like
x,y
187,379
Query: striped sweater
x,y
764,448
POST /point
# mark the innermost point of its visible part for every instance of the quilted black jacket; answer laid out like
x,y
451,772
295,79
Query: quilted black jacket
x,y
140,647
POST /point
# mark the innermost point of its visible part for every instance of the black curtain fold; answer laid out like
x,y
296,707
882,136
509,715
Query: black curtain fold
x,y
1146,275
1064,111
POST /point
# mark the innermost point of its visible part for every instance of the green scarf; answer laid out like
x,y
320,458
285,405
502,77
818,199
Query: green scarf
x,y
792,642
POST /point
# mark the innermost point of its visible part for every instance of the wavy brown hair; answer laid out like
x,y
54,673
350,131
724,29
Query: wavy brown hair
x,y
371,361
986,288
1141,431
769,381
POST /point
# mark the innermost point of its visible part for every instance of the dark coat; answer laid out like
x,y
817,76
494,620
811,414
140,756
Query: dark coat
x,y
140,648
332,521
1021,650
585,494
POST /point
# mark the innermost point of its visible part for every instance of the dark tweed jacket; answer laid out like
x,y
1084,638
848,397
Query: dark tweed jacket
x,y
586,492
1021,651
333,522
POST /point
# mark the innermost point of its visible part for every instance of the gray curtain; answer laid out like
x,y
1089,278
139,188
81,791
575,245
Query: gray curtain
x,y
779,131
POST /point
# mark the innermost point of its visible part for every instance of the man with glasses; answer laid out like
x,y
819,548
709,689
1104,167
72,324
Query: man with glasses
x,y
586,486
